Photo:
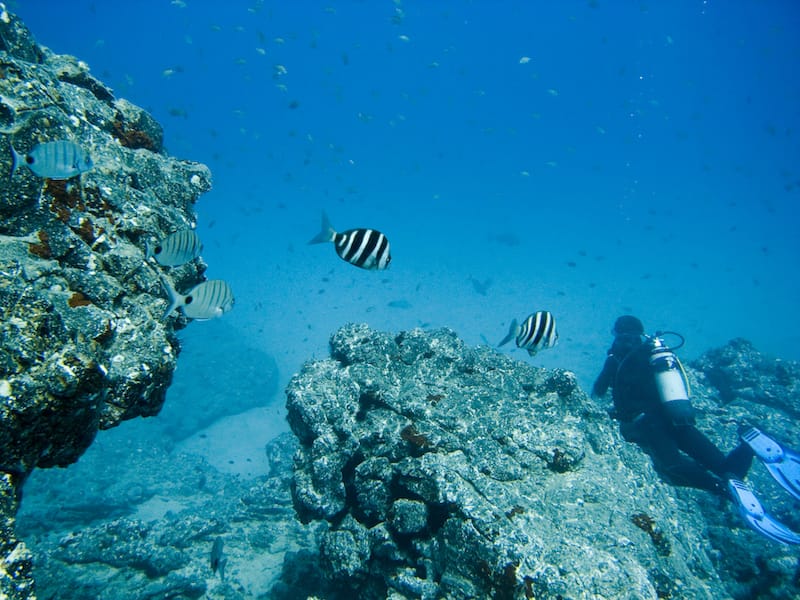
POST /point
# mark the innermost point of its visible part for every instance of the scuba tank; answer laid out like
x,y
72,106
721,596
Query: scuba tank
x,y
670,379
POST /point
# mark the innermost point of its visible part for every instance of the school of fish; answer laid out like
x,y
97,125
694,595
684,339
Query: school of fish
x,y
364,248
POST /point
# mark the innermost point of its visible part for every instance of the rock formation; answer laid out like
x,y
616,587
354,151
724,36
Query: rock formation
x,y
134,520
504,463
84,346
451,472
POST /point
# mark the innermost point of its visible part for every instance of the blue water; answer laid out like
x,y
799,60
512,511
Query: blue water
x,y
590,158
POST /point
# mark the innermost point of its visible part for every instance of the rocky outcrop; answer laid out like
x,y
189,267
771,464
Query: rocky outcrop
x,y
84,345
505,463
133,520
451,472
752,381
733,386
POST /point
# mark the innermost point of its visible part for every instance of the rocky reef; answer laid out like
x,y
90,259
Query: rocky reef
x,y
425,468
731,386
443,471
84,345
134,520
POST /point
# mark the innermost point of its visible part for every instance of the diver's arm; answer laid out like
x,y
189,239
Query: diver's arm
x,y
606,377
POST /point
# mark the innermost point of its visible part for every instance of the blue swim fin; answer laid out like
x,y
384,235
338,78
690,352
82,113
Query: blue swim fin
x,y
782,463
757,518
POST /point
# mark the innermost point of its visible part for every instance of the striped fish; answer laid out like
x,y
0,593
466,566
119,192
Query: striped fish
x,y
364,248
207,300
176,249
536,333
61,159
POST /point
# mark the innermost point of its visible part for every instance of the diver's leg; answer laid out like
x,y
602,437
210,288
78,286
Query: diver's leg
x,y
699,447
679,469
694,443
739,460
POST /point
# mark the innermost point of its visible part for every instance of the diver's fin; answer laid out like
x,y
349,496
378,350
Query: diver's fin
x,y
782,463
757,518
327,232
512,332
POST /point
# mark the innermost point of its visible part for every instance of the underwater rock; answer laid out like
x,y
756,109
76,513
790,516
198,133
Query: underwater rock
x,y
83,343
734,386
739,372
122,543
448,471
174,505
16,560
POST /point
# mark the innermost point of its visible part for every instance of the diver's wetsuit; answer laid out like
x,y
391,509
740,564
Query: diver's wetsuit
x,y
643,420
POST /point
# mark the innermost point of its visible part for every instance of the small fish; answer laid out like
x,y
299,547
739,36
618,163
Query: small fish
x,y
176,249
404,304
536,333
178,112
506,239
363,248
481,287
53,160
218,560
204,301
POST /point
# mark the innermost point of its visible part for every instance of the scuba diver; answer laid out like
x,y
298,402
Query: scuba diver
x,y
651,403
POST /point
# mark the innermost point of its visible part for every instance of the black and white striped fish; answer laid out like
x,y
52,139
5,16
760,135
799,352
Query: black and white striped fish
x,y
536,333
206,300
364,248
176,249
61,159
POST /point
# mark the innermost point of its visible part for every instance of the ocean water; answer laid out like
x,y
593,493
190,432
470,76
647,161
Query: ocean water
x,y
590,158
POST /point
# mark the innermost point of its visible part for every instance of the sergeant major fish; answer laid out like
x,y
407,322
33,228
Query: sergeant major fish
x,y
176,249
60,159
536,333
206,300
363,248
